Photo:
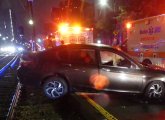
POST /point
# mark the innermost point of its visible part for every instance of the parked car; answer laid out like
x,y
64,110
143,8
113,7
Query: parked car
x,y
84,67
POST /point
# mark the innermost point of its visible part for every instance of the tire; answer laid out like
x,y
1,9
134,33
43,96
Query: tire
x,y
155,91
147,61
55,87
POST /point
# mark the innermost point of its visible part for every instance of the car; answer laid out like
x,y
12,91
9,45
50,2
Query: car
x,y
87,67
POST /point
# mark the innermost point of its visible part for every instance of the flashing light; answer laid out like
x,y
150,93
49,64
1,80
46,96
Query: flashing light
x,y
63,28
77,29
0,35
128,25
87,29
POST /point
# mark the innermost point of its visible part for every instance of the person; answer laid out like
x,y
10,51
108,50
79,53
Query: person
x,y
48,43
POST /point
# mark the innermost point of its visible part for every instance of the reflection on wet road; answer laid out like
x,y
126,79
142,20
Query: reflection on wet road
x,y
128,107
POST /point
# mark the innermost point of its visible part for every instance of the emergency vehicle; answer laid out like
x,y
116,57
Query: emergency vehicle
x,y
73,34
146,39
67,34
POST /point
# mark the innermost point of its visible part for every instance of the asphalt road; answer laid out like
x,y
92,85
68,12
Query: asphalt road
x,y
125,107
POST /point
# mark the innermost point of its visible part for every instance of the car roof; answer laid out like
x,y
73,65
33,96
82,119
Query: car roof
x,y
91,45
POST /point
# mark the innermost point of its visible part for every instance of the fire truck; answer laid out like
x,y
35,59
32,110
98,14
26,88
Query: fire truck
x,y
146,40
67,34
73,34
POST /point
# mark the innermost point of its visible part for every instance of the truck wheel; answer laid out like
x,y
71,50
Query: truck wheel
x,y
55,87
147,61
155,90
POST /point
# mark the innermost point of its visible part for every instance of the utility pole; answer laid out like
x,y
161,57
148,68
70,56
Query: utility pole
x,y
11,25
31,22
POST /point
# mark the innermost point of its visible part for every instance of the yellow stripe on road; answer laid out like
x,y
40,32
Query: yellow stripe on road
x,y
106,114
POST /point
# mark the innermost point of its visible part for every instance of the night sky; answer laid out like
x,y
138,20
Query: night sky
x,y
42,13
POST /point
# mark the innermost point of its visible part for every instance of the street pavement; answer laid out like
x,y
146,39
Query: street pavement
x,y
126,107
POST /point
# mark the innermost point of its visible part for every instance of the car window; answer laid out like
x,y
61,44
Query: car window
x,y
113,59
62,55
82,56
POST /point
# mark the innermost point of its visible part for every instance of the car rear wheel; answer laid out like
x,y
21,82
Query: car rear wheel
x,y
55,87
155,90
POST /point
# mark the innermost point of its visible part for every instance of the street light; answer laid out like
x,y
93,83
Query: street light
x,y
102,10
103,3
39,40
31,22
102,7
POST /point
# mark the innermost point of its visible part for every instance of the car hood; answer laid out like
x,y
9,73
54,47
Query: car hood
x,y
153,67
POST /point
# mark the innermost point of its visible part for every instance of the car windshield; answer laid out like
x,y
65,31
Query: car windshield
x,y
132,58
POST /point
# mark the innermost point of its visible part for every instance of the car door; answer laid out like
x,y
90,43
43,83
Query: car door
x,y
122,74
82,65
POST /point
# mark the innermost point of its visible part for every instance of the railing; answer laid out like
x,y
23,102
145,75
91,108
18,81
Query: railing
x,y
16,95
14,102
4,69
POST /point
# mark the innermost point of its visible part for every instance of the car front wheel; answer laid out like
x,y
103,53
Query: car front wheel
x,y
155,90
55,87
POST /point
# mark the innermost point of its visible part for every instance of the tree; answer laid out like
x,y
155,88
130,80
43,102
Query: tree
x,y
130,10
138,9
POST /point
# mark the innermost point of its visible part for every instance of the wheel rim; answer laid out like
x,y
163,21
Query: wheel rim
x,y
155,91
54,89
